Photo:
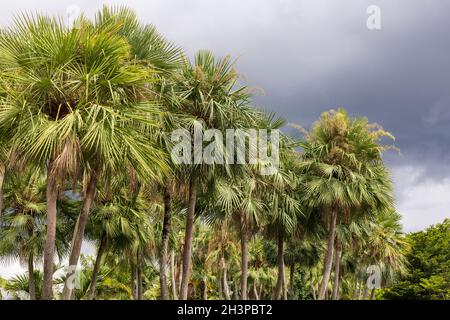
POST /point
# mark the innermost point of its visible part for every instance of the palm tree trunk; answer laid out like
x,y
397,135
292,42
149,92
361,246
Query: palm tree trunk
x,y
244,258
2,179
139,275
79,230
49,249
255,290
279,287
164,246
364,297
172,276
204,288
179,276
311,282
219,284
31,279
372,294
328,256
226,289
236,290
187,249
337,262
291,282
133,280
355,291
285,290
98,260
360,291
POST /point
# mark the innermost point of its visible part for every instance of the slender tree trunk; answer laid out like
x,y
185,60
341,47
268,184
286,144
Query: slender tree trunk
x,y
291,282
31,279
337,262
179,276
164,247
219,284
313,289
360,291
236,290
79,230
255,290
187,249
98,262
355,291
133,280
49,250
372,294
329,255
226,289
365,293
204,288
285,290
172,276
139,275
244,258
2,179
279,286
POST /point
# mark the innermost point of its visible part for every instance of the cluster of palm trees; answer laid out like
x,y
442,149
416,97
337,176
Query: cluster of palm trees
x,y
85,119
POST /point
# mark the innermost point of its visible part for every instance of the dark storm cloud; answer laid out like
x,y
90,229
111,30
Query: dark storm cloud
x,y
398,76
310,56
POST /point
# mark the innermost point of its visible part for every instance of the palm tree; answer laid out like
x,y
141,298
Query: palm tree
x,y
36,54
22,229
126,129
342,162
302,255
23,232
20,284
78,119
386,245
347,238
208,98
284,211
121,223
149,46
238,200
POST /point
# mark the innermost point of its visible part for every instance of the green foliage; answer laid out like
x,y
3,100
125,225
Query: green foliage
x,y
429,266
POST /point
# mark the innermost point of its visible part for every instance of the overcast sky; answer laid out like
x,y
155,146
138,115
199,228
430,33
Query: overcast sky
x,y
311,56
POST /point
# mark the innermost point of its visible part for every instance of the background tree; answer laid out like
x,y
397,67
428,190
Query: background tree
x,y
428,275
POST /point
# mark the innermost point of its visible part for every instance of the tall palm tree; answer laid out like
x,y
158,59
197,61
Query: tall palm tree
x,y
284,209
23,232
121,223
150,47
36,54
130,77
239,201
347,238
81,92
342,161
208,98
